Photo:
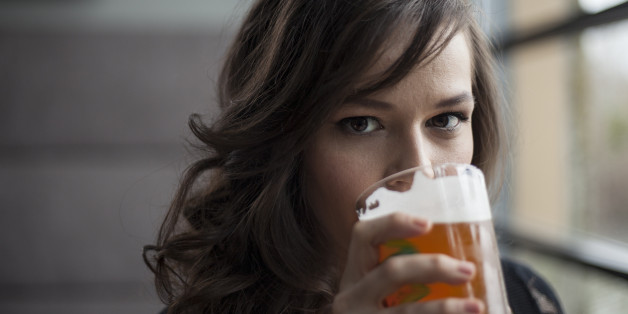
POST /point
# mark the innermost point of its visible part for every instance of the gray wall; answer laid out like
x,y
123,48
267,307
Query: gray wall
x,y
92,142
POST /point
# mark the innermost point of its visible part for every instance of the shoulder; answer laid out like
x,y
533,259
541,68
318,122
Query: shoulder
x,y
527,291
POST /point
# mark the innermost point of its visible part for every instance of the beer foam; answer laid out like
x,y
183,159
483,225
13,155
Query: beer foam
x,y
447,199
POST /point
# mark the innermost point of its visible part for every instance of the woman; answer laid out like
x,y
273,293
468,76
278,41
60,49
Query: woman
x,y
320,99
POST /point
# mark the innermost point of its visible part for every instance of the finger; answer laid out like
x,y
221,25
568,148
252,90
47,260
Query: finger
x,y
443,306
367,235
413,268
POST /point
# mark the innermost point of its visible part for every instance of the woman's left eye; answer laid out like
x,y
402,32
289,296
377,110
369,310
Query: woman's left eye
x,y
447,121
361,125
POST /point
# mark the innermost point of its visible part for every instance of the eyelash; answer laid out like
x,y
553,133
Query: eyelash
x,y
346,122
459,115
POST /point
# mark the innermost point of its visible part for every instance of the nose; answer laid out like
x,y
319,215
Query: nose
x,y
413,149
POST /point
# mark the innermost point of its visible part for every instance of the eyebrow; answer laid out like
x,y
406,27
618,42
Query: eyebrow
x,y
456,100
378,104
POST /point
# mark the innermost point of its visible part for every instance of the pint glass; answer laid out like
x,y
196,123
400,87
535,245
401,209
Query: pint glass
x,y
454,198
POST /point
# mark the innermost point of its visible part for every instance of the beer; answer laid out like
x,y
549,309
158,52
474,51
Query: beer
x,y
454,198
469,241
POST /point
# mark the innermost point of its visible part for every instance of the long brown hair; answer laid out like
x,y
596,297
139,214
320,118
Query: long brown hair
x,y
239,236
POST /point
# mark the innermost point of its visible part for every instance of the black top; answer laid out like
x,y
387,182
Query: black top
x,y
527,292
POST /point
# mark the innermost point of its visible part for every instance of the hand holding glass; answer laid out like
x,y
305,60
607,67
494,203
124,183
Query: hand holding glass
x,y
454,198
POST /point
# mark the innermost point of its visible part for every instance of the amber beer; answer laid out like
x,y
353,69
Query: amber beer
x,y
454,198
469,241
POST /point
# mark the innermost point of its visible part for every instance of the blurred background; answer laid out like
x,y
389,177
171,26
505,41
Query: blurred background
x,y
94,100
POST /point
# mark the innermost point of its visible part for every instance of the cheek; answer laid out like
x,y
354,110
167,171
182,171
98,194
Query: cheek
x,y
464,152
457,151
334,178
468,147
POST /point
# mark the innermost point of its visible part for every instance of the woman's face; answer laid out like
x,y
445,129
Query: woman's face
x,y
424,119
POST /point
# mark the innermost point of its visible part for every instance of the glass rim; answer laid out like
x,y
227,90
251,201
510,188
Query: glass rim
x,y
437,174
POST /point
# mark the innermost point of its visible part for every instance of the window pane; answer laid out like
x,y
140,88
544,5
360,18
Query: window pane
x,y
601,117
570,95
570,171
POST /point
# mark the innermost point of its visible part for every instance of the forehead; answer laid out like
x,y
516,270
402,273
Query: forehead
x,y
458,49
446,75
457,52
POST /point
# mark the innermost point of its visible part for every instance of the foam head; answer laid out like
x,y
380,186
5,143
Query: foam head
x,y
445,193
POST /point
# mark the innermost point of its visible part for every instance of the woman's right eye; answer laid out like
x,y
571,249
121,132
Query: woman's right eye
x,y
361,125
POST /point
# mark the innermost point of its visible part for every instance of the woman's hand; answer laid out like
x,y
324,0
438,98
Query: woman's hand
x,y
365,284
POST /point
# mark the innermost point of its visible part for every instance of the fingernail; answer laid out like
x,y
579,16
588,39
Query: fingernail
x,y
472,307
421,223
466,268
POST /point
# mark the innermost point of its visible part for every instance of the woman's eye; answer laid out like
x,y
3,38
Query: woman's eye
x,y
361,125
447,121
